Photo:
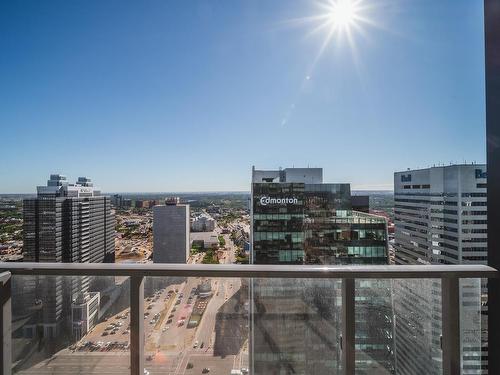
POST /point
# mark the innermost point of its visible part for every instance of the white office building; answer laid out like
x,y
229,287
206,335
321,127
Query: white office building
x,y
440,218
440,215
203,223
171,227
84,313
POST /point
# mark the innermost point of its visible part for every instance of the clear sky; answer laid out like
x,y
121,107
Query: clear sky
x,y
188,95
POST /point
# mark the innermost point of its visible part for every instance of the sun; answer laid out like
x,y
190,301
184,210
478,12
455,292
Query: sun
x,y
342,13
337,19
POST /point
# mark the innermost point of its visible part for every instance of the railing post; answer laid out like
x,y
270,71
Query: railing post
x,y
348,326
137,325
5,324
450,300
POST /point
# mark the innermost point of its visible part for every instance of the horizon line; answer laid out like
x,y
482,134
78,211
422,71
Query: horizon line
x,y
192,192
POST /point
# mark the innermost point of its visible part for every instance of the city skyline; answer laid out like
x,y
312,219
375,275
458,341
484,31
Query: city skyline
x,y
162,98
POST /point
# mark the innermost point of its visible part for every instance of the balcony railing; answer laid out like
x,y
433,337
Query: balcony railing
x,y
448,276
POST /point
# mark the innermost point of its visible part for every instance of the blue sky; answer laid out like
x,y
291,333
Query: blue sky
x,y
187,96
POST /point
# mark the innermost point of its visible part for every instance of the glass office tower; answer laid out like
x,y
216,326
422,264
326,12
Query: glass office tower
x,y
297,219
65,223
317,227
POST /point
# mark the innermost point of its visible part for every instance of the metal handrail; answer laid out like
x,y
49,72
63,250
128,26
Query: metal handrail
x,y
265,271
450,276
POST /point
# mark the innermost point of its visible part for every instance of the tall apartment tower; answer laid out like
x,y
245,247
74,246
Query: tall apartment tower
x,y
298,219
67,223
440,218
171,227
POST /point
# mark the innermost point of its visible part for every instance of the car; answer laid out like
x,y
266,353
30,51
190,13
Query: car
x,y
195,344
149,358
171,316
164,329
169,321
105,333
146,372
244,370
202,345
206,370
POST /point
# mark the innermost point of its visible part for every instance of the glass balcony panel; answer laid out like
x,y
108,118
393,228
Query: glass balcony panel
x,y
374,346
473,325
196,323
399,326
296,326
70,325
417,325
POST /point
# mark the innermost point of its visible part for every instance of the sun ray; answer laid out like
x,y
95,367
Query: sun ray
x,y
338,23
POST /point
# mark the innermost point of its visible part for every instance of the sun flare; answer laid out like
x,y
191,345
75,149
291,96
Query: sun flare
x,y
342,13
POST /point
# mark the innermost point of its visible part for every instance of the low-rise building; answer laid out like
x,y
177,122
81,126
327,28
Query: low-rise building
x,y
204,240
203,223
